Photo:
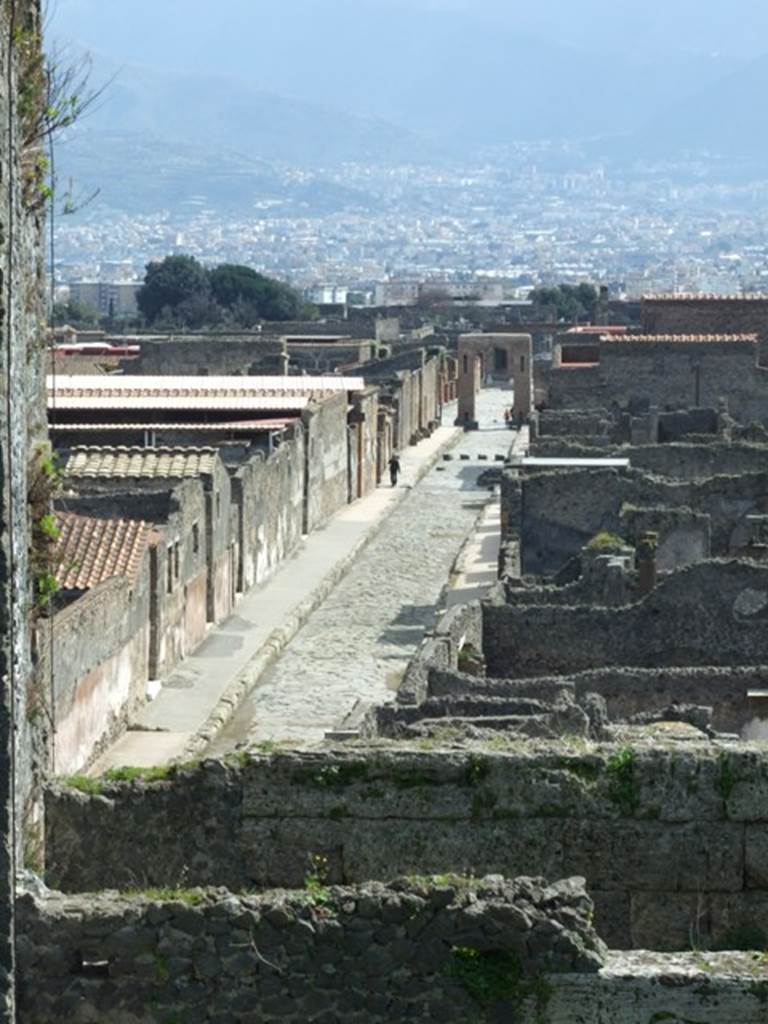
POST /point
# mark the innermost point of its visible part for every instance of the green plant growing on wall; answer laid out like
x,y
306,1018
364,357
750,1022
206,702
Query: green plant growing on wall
x,y
606,542
315,881
44,483
726,776
497,976
83,784
621,781
54,91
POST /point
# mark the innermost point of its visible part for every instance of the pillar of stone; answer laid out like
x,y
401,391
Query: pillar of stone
x,y
645,556
470,370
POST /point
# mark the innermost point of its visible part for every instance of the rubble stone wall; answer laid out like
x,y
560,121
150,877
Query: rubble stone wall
x,y
414,949
670,376
326,482
556,514
684,461
269,491
100,683
710,613
668,839
209,355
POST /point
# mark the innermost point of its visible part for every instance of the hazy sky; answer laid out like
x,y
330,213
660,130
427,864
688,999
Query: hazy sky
x,y
736,27
479,70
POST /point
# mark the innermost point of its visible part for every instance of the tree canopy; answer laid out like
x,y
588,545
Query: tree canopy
x,y
180,292
572,302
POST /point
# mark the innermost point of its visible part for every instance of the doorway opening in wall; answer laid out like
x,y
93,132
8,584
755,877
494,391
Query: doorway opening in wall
x,y
500,361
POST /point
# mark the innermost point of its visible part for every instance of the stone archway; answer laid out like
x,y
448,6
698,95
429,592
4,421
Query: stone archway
x,y
500,356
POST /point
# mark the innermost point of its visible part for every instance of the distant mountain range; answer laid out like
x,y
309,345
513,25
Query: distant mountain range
x,y
218,102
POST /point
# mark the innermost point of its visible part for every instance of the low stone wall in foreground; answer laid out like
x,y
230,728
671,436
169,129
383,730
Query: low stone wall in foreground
x,y
672,839
450,950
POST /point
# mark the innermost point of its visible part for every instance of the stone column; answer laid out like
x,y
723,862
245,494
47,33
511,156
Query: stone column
x,y
646,561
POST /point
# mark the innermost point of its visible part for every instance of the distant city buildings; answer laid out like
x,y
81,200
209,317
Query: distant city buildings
x,y
107,297
493,231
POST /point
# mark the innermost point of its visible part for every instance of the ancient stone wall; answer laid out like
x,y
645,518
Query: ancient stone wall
x,y
681,460
573,422
556,513
626,691
670,376
326,474
269,491
701,314
22,431
100,651
458,627
711,613
668,839
209,355
578,387
327,357
220,556
414,949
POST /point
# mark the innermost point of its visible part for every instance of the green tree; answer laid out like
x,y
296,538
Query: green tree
x,y
572,302
250,296
171,283
74,314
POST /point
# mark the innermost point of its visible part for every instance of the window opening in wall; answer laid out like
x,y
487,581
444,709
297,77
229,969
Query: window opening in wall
x,y
522,364
195,537
176,560
218,504
466,364
169,569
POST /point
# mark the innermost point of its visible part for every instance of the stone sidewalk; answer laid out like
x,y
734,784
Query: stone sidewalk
x,y
357,644
206,687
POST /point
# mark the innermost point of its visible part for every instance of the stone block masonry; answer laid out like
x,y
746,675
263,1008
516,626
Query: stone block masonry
x,y
668,839
453,950
22,440
708,614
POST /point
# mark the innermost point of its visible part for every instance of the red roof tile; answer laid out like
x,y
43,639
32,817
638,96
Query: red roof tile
x,y
90,550
675,339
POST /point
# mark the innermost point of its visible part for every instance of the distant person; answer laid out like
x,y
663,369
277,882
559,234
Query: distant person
x,y
394,469
507,417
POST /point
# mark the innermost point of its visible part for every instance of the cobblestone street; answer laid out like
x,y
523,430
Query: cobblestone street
x,y
357,644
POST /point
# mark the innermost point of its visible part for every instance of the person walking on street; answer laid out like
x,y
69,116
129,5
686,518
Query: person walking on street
x,y
394,469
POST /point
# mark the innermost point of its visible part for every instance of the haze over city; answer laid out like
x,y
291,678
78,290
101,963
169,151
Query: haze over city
x,y
347,141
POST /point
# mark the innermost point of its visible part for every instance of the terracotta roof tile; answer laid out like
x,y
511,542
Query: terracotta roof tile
x,y
244,426
676,339
704,297
141,463
90,551
252,394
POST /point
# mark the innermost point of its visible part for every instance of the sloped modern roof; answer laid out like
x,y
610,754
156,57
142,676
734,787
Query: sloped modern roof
x,y
89,551
144,463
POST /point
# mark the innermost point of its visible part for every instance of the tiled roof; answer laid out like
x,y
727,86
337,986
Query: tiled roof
x,y
704,296
125,463
246,394
244,426
674,339
90,551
